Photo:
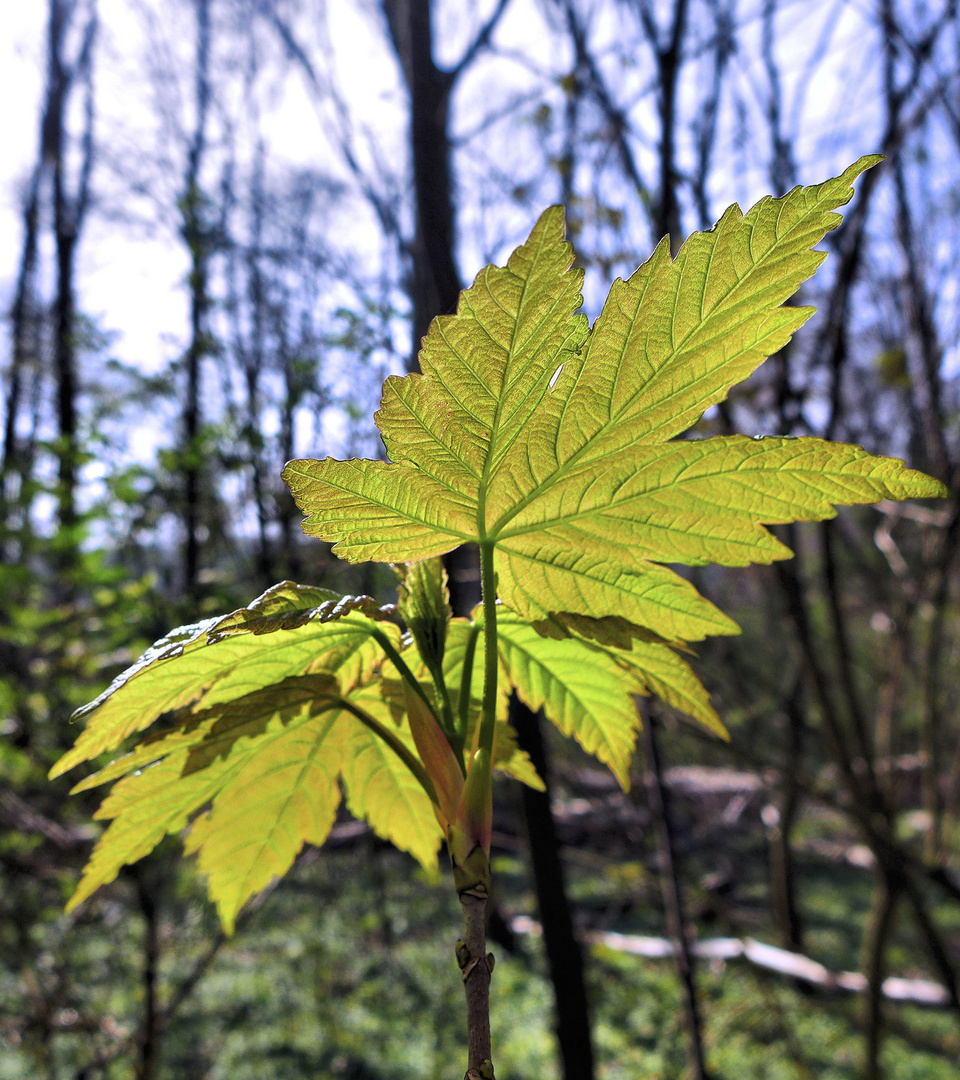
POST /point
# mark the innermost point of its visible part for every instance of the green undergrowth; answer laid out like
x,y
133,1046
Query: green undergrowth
x,y
340,975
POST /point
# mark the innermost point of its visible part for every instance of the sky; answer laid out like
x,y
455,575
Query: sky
x,y
133,276
129,277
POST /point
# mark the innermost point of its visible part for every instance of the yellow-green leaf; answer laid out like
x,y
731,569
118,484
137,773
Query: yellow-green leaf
x,y
270,764
381,790
659,670
145,807
225,658
552,444
424,603
581,689
210,733
283,794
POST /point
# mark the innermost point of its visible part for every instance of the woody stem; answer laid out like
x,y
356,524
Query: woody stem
x,y
476,979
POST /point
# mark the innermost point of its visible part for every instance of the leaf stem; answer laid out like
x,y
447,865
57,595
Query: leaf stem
x,y
488,583
466,683
395,744
446,720
404,670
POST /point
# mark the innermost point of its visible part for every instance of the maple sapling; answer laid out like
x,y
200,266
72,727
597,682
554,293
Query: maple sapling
x,y
553,446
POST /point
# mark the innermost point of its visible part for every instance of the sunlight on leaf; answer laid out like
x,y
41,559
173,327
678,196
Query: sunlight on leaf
x,y
530,432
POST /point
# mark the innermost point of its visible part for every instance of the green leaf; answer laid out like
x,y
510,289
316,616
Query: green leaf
x,y
527,432
269,762
145,807
659,670
508,758
282,793
675,336
382,790
581,689
587,689
192,765
465,645
424,603
210,733
228,657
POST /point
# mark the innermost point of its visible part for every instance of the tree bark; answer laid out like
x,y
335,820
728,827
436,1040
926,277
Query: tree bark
x,y
435,285
255,358
476,969
149,1057
668,62
782,862
68,214
25,353
876,939
196,237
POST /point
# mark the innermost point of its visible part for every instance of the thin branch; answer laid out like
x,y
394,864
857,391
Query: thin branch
x,y
616,117
658,797
479,43
877,936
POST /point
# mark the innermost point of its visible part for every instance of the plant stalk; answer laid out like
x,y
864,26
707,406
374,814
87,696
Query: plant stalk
x,y
476,965
404,671
466,684
490,655
474,876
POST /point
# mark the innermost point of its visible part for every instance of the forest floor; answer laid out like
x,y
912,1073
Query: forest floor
x,y
345,971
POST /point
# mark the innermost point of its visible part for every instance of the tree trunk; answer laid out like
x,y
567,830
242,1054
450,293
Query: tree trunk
x,y
658,797
667,222
435,284
196,237
149,1058
25,354
572,1013
68,213
253,368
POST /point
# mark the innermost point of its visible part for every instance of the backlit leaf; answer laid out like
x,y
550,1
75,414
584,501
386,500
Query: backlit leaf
x,y
282,793
210,733
160,799
582,690
225,658
659,670
424,605
270,764
145,807
550,442
382,791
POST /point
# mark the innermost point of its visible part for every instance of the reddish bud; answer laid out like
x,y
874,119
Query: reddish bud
x,y
437,756
468,838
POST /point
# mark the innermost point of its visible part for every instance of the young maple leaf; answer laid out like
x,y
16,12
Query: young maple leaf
x,y
269,710
530,432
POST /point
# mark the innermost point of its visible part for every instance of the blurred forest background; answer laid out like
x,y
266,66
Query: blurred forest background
x,y
232,220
